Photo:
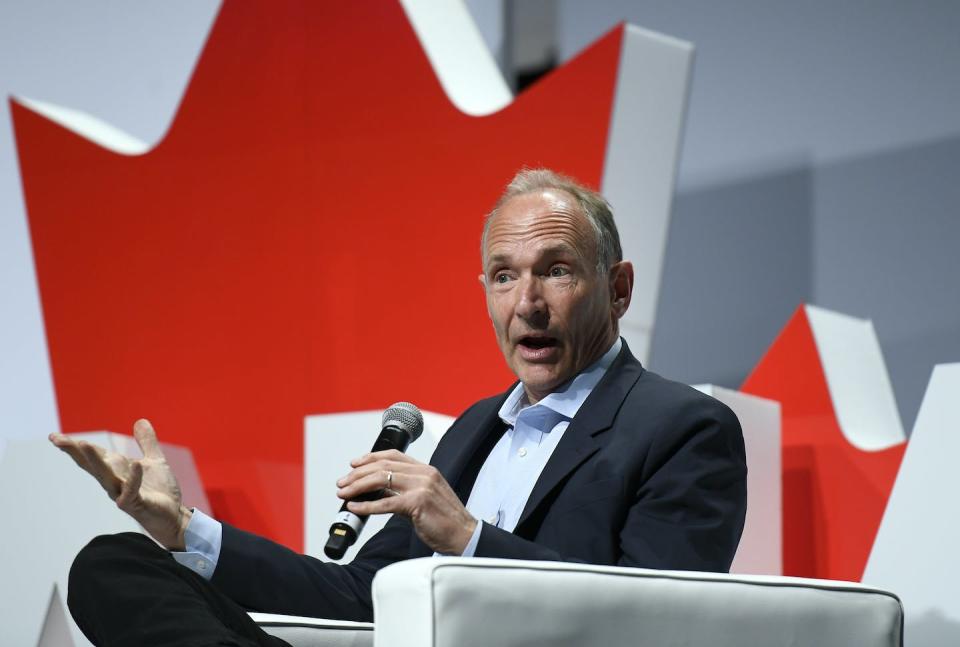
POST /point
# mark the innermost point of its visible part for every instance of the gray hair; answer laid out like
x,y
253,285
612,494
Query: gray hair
x,y
592,204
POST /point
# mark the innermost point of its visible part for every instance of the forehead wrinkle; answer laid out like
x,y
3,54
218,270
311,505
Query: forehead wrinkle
x,y
541,247
555,232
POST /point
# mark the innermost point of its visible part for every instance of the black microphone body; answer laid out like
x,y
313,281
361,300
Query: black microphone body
x,y
402,424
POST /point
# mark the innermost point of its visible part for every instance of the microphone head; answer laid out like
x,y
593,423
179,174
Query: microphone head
x,y
406,416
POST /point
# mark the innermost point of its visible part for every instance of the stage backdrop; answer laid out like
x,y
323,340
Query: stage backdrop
x,y
305,237
302,238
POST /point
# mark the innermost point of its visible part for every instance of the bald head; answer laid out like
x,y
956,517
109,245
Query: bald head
x,y
591,205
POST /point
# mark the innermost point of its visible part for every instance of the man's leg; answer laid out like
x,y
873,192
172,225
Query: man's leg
x,y
124,590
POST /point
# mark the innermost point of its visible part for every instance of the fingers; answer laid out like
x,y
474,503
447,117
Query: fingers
x,y
97,465
423,478
93,460
376,480
423,496
381,467
146,438
64,442
118,475
390,455
60,440
130,490
390,460
385,505
69,447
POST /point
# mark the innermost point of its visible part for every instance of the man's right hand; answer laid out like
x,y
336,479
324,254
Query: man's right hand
x,y
146,489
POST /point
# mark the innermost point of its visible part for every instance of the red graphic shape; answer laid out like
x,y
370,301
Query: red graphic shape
x,y
834,494
304,240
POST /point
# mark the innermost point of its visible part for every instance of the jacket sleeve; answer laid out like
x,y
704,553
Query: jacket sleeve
x,y
264,576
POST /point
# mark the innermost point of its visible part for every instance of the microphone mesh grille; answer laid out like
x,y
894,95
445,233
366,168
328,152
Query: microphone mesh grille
x,y
406,416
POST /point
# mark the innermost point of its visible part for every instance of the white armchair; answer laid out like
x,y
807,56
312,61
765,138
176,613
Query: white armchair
x,y
441,602
316,632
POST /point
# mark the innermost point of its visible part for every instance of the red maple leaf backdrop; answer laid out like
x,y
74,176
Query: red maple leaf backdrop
x,y
834,494
304,240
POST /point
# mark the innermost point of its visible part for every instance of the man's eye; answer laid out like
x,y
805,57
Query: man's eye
x,y
557,271
501,278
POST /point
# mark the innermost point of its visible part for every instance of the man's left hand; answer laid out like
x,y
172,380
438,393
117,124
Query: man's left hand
x,y
414,490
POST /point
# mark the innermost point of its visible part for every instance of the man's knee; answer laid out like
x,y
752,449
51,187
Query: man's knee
x,y
99,561
110,548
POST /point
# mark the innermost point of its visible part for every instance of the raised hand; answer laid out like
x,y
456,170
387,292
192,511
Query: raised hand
x,y
416,491
146,489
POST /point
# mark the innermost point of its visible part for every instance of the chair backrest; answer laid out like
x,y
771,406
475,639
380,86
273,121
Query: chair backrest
x,y
464,602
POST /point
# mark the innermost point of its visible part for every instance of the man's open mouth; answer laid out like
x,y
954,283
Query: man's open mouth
x,y
537,342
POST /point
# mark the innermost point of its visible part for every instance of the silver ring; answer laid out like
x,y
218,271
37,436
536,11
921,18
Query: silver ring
x,y
389,480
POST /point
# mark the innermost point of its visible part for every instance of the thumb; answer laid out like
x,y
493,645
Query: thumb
x,y
146,438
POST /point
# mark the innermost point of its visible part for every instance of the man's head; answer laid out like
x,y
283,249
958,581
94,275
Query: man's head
x,y
555,281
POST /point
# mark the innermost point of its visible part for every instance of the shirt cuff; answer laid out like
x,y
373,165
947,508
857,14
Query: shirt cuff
x,y
474,540
203,538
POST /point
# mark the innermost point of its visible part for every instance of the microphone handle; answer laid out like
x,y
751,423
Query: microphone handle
x,y
391,438
347,526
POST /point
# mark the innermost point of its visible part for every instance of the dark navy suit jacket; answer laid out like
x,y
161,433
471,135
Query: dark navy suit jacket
x,y
650,473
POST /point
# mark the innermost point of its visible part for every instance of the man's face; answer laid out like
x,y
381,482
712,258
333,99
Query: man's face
x,y
552,312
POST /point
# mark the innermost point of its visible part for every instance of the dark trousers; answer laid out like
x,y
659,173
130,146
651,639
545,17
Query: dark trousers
x,y
125,591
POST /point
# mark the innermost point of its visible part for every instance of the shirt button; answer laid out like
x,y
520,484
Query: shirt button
x,y
202,565
522,452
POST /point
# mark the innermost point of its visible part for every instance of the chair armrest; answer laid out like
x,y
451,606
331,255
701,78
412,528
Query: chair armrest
x,y
316,632
447,602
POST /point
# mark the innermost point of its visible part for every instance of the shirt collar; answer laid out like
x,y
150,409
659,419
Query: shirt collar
x,y
567,400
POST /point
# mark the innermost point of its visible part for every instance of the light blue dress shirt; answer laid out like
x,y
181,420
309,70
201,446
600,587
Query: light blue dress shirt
x,y
203,538
533,431
504,483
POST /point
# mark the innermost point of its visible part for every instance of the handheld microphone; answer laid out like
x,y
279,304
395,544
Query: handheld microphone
x,y
402,424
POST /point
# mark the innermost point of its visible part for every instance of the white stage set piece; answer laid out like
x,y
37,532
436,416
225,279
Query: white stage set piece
x,y
54,508
913,553
761,546
915,550
857,379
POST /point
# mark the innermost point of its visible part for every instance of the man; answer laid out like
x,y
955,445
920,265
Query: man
x,y
587,458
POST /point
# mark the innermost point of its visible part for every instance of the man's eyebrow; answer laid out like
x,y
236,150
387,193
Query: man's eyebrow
x,y
561,248
494,261
558,249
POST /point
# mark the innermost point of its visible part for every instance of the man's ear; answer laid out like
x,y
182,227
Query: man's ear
x,y
621,287
483,284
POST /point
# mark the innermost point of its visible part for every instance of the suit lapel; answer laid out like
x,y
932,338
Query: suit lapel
x,y
584,436
475,440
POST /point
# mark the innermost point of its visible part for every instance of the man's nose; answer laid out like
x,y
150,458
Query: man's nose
x,y
530,304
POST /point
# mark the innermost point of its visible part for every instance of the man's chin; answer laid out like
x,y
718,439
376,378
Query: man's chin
x,y
539,383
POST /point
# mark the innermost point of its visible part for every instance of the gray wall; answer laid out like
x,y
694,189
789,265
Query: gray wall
x,y
886,243
738,263
876,236
820,78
